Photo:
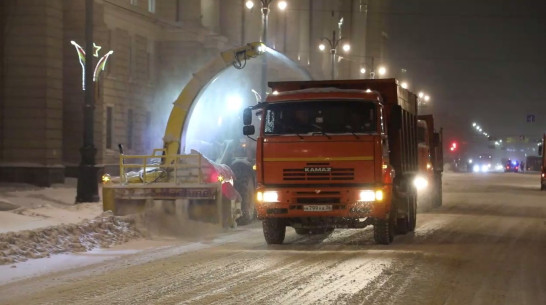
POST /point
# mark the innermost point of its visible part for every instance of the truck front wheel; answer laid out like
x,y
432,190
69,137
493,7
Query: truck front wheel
x,y
274,231
383,229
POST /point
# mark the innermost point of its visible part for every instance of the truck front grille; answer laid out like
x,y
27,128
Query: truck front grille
x,y
335,174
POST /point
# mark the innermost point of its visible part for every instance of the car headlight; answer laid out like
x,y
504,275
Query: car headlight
x,y
420,183
267,196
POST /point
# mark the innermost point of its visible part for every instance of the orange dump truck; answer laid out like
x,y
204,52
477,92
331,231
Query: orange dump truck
x,y
431,164
335,154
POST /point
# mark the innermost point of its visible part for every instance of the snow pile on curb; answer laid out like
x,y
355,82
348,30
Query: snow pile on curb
x,y
103,231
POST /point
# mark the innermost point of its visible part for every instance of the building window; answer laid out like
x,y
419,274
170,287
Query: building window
x,y
109,125
134,2
130,129
151,6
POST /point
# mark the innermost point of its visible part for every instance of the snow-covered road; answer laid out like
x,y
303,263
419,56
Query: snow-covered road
x,y
486,245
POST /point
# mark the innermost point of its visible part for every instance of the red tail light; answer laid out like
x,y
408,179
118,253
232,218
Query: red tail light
x,y
213,177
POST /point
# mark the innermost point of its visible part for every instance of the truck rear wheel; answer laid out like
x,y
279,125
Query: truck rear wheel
x,y
244,184
274,231
412,214
383,229
404,223
437,192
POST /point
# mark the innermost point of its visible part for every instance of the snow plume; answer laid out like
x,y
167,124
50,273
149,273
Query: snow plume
x,y
103,231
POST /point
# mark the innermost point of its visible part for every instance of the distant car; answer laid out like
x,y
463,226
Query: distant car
x,y
511,166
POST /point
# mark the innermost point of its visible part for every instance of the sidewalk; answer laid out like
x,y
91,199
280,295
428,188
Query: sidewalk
x,y
36,222
25,207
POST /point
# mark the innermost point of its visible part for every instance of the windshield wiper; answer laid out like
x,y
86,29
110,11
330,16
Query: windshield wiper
x,y
321,131
351,131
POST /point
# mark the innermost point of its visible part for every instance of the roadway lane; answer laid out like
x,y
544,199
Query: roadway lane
x,y
486,245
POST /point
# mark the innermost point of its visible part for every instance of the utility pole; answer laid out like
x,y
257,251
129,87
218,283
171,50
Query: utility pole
x,y
87,190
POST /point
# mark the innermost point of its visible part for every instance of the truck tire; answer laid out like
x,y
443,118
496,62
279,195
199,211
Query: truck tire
x,y
244,184
274,231
383,229
412,214
403,224
437,192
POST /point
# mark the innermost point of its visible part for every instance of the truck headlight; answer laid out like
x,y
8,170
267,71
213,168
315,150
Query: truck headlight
x,y
370,195
420,183
367,195
267,196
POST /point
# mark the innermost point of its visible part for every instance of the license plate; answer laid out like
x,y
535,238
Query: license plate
x,y
317,208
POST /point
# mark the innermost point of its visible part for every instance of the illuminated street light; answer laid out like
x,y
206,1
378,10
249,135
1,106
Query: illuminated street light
x,y
427,98
333,43
263,38
362,70
421,94
404,85
382,70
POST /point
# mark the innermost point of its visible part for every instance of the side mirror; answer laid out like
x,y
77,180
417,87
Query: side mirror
x,y
247,117
248,130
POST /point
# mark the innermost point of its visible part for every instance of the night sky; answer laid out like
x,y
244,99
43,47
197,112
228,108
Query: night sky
x,y
480,60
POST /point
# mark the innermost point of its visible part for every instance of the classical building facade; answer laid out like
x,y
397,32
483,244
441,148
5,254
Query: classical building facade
x,y
157,45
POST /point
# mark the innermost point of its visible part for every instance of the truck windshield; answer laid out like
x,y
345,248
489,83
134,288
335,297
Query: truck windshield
x,y
329,117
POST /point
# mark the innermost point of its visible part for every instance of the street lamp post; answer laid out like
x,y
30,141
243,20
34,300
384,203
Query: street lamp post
x,y
87,190
263,38
333,43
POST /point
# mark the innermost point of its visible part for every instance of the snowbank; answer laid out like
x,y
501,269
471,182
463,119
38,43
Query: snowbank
x,y
103,231
36,222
